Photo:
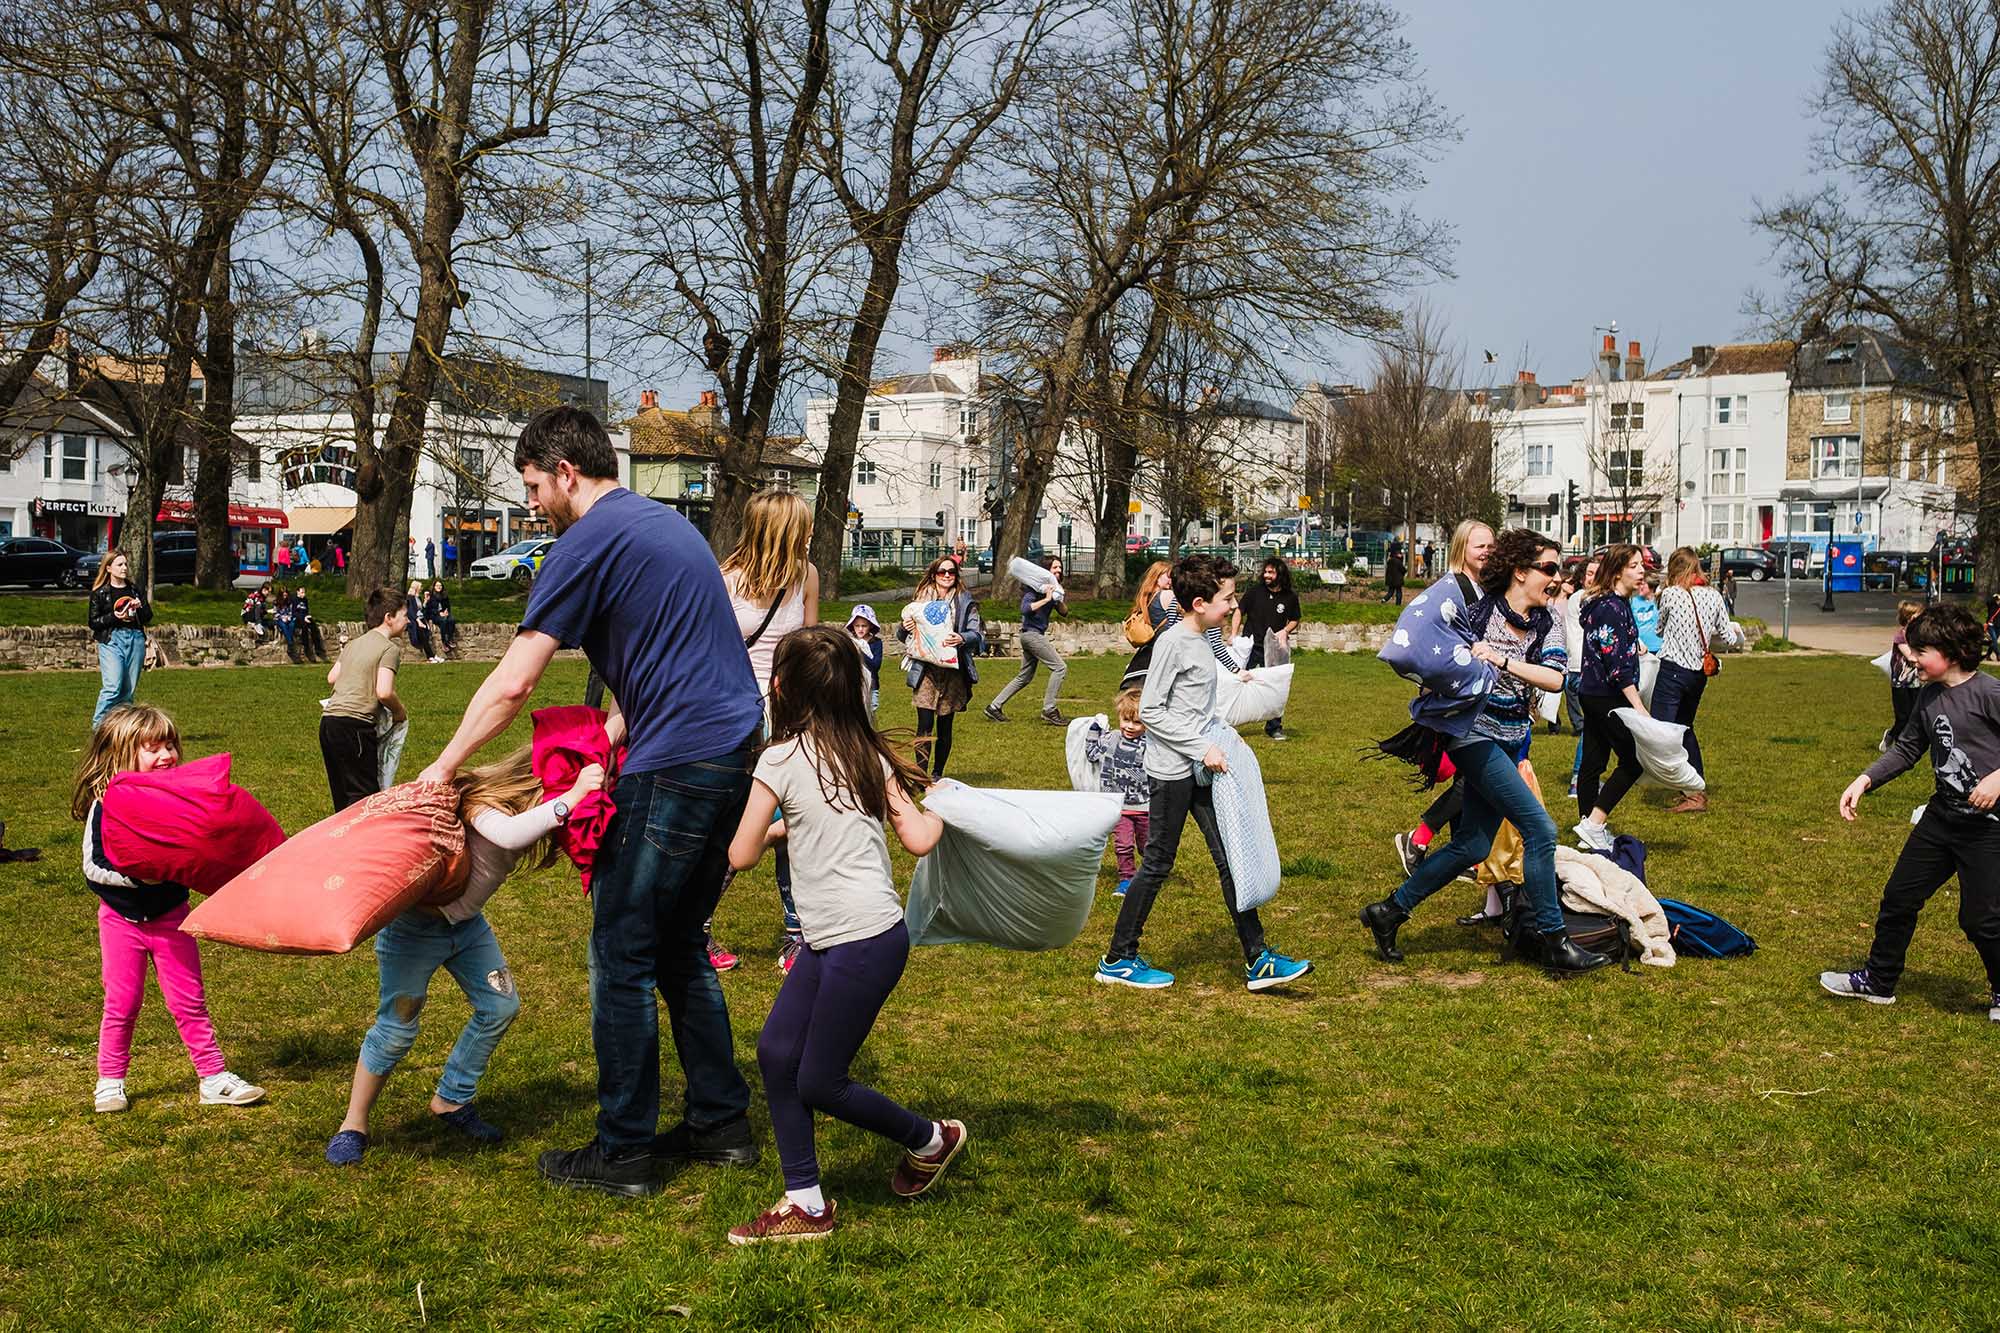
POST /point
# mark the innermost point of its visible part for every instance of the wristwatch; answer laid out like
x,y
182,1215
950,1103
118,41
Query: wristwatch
x,y
562,810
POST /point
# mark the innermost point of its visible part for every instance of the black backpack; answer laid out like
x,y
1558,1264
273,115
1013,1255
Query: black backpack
x,y
1608,935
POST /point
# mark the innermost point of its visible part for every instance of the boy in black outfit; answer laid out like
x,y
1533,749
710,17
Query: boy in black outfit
x,y
1957,713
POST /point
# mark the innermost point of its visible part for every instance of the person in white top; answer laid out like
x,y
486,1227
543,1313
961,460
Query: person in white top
x,y
775,590
1693,618
505,816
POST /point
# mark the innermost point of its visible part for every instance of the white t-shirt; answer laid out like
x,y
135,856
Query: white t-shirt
x,y
840,856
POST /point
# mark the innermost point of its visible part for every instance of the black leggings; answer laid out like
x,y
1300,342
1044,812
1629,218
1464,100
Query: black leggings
x,y
1603,735
929,720
1447,808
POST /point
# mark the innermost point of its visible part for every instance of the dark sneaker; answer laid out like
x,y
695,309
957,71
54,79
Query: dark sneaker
x,y
915,1174
728,1144
1054,717
1409,853
631,1173
474,1126
1856,985
784,1221
992,715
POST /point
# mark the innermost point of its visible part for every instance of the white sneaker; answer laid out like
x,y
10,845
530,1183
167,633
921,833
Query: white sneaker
x,y
1597,837
225,1089
111,1095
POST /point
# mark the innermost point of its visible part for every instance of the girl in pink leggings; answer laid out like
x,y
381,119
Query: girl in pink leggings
x,y
137,921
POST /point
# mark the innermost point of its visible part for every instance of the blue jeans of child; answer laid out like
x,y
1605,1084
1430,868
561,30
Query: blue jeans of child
x,y
653,887
408,951
118,666
823,1013
1494,794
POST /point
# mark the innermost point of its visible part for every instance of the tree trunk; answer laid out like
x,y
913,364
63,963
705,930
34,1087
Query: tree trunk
x,y
857,371
213,471
1118,454
1981,402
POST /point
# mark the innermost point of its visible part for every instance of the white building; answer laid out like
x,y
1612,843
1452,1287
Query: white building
x,y
1730,408
64,472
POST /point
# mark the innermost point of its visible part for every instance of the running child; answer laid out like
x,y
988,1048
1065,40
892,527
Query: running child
x,y
1121,760
505,818
1177,706
1905,680
1957,714
138,921
837,782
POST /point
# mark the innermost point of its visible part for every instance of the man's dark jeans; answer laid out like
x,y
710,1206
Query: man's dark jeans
x,y
655,883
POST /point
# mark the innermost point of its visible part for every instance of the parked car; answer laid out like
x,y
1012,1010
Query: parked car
x,y
1134,543
1748,562
173,560
37,562
1284,533
518,562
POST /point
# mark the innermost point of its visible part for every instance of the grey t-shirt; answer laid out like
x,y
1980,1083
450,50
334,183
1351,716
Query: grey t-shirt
x,y
1961,723
1177,702
840,856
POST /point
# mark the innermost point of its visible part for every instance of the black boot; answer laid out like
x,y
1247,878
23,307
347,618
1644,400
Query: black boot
x,y
1382,919
1560,954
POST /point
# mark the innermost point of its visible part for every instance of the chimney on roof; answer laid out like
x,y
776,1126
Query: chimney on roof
x,y
1608,356
1524,377
648,398
1703,354
706,414
1635,364
708,398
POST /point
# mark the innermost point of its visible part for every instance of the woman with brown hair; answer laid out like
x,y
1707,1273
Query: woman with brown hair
x,y
1692,617
1155,599
1608,681
942,692
119,613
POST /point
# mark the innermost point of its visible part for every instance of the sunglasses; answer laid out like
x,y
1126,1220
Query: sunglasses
x,y
1549,567
947,572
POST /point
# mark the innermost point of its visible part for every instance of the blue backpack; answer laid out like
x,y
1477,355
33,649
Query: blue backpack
x,y
1702,934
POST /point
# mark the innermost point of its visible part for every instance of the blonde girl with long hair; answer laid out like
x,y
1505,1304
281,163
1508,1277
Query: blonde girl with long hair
x,y
775,590
139,922
506,820
119,614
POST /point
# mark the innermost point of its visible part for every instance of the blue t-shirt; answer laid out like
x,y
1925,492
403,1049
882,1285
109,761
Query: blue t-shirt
x,y
1646,619
634,585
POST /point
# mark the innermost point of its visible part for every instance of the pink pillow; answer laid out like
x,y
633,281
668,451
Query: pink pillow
x,y
190,825
343,879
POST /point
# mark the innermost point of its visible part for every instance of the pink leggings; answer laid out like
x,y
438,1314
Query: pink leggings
x,y
126,945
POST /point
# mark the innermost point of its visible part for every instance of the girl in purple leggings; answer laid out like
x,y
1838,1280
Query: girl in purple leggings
x,y
837,782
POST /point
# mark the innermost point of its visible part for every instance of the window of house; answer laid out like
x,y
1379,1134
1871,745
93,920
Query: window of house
x,y
253,465
1628,416
937,475
1728,472
1905,463
1837,407
1837,456
1725,522
968,481
874,421
1948,415
1545,518
76,458
472,461
1842,354
968,420
968,530
1942,458
1732,410
1906,409
49,458
1927,414
864,471
1625,469
781,480
1541,460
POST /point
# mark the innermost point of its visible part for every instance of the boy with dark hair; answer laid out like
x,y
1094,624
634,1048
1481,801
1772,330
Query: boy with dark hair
x,y
1177,706
1957,713
363,680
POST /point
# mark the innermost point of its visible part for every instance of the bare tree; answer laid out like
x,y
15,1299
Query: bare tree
x,y
1910,100
1254,145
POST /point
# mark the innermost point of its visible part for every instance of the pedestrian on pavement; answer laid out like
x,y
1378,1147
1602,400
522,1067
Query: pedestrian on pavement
x,y
430,559
1392,575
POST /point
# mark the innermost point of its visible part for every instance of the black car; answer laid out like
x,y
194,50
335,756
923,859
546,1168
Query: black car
x,y
173,560
37,561
1748,562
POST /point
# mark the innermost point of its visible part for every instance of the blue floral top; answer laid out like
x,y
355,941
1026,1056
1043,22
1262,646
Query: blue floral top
x,y
1610,646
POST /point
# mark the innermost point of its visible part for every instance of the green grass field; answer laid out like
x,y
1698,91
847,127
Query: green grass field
x,y
1443,1144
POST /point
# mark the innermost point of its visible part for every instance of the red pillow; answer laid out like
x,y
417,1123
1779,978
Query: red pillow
x,y
343,879
189,825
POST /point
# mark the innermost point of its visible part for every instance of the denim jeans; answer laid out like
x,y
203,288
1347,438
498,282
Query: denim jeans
x,y
118,666
657,877
408,951
1494,794
1676,696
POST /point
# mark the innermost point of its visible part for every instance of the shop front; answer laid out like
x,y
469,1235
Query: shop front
x,y
469,535
84,524
253,531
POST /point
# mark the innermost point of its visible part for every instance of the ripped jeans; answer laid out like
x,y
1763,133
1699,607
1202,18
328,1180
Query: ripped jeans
x,y
407,952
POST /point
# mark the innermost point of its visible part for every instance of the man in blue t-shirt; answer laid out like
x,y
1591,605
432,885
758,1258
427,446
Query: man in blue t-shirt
x,y
633,584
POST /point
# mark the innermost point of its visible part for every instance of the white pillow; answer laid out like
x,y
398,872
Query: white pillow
x,y
1238,703
1886,661
1031,575
1017,869
1662,750
1083,775
1243,821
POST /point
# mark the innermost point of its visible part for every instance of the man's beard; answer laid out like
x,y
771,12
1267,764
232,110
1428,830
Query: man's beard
x,y
559,512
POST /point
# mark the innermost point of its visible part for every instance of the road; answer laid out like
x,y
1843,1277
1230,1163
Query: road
x,y
1861,622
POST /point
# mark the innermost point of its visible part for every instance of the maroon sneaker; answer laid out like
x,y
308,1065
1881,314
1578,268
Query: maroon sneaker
x,y
784,1221
915,1174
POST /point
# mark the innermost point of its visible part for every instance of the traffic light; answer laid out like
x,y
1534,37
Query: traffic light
x,y
1572,497
1570,526
939,517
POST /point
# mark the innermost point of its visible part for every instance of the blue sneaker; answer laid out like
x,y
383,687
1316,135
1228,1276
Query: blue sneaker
x,y
1123,885
1133,972
1274,969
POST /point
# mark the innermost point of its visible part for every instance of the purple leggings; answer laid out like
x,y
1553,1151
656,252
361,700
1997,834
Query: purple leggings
x,y
817,1024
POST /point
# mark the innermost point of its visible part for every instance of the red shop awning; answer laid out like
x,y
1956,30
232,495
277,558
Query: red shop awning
x,y
240,516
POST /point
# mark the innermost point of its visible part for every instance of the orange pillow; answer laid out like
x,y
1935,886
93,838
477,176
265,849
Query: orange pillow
x,y
337,883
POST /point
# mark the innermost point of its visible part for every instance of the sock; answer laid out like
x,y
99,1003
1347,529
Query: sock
x,y
1422,836
935,1144
808,1198
1492,901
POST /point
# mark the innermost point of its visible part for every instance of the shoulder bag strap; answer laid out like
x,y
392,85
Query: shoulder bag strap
x,y
765,624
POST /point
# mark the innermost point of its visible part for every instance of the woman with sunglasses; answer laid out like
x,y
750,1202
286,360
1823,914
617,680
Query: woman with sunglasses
x,y
943,692
1516,639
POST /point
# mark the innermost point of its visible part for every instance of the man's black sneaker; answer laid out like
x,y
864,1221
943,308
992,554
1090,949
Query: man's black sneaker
x,y
727,1144
630,1173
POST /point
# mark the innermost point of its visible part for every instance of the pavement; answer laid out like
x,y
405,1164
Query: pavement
x,y
1860,623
